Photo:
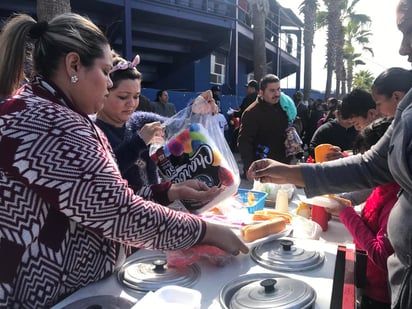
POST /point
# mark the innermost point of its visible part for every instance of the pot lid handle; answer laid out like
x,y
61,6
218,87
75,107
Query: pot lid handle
x,y
159,265
286,244
269,285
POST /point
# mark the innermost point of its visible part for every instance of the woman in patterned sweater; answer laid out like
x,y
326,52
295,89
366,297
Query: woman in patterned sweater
x,y
66,211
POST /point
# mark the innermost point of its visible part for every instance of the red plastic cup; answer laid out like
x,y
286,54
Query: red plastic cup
x,y
320,216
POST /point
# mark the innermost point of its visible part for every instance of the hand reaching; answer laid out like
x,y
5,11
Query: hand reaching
x,y
267,170
343,203
335,153
152,132
193,189
204,103
224,238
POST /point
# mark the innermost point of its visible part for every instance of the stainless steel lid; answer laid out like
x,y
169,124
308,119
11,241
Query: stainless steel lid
x,y
101,302
284,255
259,291
149,273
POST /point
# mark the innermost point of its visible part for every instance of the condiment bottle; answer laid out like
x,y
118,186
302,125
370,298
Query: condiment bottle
x,y
282,200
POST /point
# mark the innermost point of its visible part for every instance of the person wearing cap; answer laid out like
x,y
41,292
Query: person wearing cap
x,y
252,88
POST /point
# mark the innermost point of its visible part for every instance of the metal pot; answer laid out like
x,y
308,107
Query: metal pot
x,y
260,291
149,273
284,255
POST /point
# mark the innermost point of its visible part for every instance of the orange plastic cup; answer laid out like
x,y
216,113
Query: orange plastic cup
x,y
321,151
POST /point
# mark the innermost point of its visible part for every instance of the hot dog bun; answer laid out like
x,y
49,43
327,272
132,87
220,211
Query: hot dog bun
x,y
269,214
256,231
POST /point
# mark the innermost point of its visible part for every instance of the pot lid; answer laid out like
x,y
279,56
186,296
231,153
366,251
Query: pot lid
x,y
283,255
259,291
149,273
101,302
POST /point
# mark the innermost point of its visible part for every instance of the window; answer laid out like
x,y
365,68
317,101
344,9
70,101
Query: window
x,y
217,68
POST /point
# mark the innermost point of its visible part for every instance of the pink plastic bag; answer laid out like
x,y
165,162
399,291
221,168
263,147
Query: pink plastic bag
x,y
183,258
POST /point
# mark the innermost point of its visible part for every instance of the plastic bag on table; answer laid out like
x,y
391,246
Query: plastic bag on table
x,y
272,189
183,258
195,148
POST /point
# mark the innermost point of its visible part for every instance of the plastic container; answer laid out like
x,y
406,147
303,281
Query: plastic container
x,y
282,201
321,151
259,199
171,297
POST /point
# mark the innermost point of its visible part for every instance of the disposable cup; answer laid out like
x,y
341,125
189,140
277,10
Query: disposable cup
x,y
321,151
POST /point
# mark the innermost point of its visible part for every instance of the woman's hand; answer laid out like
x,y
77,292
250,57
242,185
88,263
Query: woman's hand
x,y
193,189
267,170
223,238
335,153
343,203
204,103
152,132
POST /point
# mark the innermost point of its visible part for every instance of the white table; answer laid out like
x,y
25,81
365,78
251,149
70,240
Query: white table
x,y
213,278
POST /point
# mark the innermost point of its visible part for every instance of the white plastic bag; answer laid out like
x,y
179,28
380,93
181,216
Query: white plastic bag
x,y
195,148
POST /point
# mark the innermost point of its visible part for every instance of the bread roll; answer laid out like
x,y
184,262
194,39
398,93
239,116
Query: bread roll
x,y
268,214
255,231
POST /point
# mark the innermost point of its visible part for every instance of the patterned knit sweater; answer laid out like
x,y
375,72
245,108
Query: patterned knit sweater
x,y
65,210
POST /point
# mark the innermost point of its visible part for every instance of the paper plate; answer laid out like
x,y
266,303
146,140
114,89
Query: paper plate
x,y
322,201
252,244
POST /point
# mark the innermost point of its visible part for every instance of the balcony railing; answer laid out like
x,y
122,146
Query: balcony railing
x,y
236,10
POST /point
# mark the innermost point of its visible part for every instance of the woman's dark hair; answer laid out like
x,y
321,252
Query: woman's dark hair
x,y
159,94
371,134
391,80
52,40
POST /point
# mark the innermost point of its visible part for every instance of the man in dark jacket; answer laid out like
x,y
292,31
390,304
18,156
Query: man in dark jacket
x,y
263,125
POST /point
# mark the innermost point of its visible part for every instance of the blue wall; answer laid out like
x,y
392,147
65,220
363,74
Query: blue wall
x,y
181,98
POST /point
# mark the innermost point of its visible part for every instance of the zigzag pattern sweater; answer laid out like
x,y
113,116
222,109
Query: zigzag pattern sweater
x,y
65,209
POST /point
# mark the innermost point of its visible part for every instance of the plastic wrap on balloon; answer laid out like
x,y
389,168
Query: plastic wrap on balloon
x,y
195,148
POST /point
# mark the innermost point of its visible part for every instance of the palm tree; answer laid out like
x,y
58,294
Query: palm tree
x,y
308,8
260,10
331,18
47,9
345,27
340,64
363,79
356,32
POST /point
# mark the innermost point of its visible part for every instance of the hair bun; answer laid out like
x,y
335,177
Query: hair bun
x,y
38,29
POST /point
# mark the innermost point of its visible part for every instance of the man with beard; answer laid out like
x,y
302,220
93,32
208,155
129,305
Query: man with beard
x,y
263,125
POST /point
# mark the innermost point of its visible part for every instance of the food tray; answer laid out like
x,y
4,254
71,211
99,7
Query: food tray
x,y
260,198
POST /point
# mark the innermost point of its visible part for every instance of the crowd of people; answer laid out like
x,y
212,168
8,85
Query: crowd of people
x,y
77,192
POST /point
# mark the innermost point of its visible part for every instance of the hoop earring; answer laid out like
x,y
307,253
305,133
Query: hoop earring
x,y
74,79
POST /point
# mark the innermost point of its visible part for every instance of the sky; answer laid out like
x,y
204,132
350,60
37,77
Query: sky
x,y
385,42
